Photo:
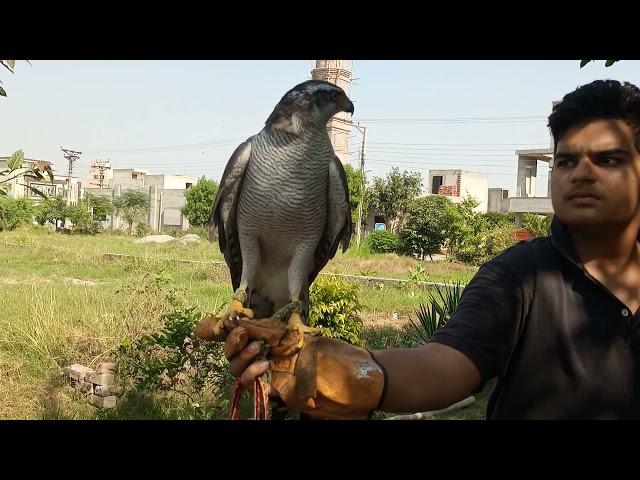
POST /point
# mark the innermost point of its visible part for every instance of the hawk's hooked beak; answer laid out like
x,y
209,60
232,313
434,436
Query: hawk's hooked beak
x,y
349,107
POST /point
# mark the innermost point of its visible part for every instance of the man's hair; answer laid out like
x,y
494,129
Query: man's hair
x,y
601,99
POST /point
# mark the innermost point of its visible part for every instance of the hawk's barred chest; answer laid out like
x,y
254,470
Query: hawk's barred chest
x,y
286,180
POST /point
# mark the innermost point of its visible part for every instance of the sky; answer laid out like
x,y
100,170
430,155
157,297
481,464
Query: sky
x,y
187,117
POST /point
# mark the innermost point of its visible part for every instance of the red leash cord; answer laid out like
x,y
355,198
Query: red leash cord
x,y
260,401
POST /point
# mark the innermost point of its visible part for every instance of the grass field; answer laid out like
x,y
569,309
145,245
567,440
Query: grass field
x,y
63,302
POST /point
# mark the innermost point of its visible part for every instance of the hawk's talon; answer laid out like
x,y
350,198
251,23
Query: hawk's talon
x,y
234,311
295,323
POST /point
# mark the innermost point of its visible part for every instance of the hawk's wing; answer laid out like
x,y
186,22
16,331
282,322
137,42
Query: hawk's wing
x,y
223,213
337,228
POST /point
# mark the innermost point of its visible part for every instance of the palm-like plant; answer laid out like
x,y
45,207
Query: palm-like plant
x,y
436,311
15,170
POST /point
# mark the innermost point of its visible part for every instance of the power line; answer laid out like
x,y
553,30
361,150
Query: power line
x,y
454,120
446,154
457,144
169,148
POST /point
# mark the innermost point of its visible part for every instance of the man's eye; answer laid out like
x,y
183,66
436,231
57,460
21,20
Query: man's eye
x,y
608,161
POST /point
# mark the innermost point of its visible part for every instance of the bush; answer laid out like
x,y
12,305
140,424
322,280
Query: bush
x,y
82,220
143,229
173,359
538,224
486,245
15,212
383,241
498,240
334,307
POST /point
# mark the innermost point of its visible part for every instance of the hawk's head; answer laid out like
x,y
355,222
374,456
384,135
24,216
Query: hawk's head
x,y
310,104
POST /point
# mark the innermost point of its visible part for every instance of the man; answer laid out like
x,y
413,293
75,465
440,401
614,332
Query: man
x,y
555,319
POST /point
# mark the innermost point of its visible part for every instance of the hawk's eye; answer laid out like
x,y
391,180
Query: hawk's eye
x,y
334,95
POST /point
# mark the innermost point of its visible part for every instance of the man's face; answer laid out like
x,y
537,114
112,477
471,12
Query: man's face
x,y
596,175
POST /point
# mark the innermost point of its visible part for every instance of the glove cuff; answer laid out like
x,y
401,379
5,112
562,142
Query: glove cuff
x,y
383,395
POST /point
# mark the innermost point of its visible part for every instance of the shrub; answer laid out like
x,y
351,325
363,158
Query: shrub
x,y
15,212
174,359
334,307
383,241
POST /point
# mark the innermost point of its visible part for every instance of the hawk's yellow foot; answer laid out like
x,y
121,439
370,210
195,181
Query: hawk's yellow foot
x,y
295,323
235,309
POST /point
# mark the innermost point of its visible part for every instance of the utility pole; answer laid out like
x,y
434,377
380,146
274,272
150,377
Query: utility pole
x,y
363,130
101,166
71,157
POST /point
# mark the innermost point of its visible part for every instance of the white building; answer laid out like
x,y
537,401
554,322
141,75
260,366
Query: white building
x,y
67,187
457,184
166,192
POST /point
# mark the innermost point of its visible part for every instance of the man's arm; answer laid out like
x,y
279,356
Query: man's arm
x,y
429,377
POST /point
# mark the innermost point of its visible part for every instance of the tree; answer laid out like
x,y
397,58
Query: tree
x,y
132,206
100,206
465,226
428,226
476,221
392,196
199,201
51,210
356,192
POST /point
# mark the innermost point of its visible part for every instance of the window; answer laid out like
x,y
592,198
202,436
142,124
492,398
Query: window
x,y
189,185
436,183
134,176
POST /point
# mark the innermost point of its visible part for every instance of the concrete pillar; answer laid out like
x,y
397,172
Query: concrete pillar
x,y
527,173
519,217
160,211
153,208
115,193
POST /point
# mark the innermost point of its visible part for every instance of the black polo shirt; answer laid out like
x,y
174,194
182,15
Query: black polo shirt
x,y
561,345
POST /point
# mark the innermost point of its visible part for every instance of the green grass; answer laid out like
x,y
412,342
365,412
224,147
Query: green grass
x,y
62,302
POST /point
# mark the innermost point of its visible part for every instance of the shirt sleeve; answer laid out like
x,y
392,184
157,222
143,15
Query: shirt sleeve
x,y
486,325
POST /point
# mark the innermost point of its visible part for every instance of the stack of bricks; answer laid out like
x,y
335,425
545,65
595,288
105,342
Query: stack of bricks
x,y
99,384
448,190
